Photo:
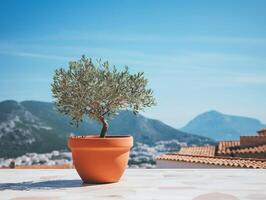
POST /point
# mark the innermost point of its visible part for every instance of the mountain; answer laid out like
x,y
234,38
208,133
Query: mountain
x,y
220,126
32,126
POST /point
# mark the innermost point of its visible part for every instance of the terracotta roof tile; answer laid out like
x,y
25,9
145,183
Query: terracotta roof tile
x,y
245,150
221,161
223,146
198,151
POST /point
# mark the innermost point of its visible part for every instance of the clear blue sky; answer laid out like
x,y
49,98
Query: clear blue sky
x,y
198,55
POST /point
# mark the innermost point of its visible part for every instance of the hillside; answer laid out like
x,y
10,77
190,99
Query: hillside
x,y
32,126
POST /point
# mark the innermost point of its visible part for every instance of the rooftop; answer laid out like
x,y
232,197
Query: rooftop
x,y
244,150
198,151
223,146
218,161
199,184
248,152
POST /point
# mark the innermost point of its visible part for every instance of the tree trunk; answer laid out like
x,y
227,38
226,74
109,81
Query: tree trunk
x,y
104,128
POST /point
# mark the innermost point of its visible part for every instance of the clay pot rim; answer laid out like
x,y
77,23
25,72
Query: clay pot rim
x,y
97,137
94,141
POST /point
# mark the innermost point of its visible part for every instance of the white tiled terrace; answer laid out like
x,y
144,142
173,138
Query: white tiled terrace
x,y
136,184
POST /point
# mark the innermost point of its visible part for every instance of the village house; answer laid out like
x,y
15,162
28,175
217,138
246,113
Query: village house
x,y
248,152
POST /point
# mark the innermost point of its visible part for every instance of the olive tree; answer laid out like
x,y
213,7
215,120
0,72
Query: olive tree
x,y
98,90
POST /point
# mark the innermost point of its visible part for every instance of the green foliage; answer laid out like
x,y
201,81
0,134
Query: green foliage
x,y
98,90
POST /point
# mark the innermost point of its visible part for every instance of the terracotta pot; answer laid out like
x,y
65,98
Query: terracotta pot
x,y
100,160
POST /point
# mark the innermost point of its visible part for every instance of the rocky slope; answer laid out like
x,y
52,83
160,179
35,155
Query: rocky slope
x,y
32,126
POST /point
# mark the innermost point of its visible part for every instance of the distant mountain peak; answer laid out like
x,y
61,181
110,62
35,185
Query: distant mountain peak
x,y
211,113
215,112
219,126
9,103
